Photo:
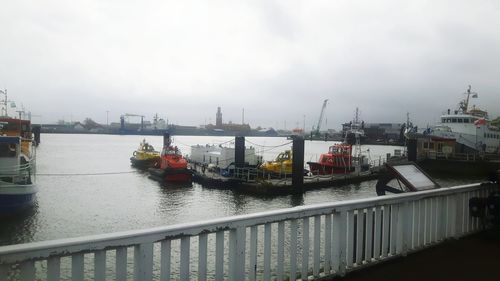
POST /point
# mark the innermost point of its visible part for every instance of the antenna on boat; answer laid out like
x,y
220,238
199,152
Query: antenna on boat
x,y
464,105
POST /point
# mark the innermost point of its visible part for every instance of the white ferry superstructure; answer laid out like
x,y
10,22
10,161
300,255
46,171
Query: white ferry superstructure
x,y
470,128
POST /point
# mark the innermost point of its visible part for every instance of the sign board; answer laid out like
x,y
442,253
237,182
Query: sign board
x,y
413,177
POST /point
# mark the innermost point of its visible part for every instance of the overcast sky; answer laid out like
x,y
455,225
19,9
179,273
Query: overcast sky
x,y
277,59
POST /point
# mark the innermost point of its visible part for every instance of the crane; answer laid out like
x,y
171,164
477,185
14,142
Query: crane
x,y
126,115
321,115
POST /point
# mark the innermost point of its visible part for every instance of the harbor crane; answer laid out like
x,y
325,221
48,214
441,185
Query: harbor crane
x,y
321,115
126,115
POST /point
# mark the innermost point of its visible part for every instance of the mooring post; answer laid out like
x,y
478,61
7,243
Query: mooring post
x,y
298,161
36,133
166,139
239,152
411,146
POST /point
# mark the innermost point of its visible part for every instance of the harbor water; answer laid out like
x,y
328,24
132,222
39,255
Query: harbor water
x,y
87,186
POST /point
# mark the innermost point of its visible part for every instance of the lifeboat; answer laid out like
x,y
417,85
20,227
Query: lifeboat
x,y
281,165
173,166
338,160
145,156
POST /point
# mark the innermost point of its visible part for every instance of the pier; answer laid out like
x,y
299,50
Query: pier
x,y
309,242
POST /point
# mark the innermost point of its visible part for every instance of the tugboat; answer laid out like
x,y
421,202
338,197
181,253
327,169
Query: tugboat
x,y
17,163
173,167
145,156
338,160
282,165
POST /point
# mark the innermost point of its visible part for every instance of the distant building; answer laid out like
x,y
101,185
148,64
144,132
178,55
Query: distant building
x,y
218,118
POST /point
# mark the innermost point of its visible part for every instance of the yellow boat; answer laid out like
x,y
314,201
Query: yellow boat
x,y
145,156
281,165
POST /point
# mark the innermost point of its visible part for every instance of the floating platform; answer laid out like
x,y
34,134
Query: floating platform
x,y
281,186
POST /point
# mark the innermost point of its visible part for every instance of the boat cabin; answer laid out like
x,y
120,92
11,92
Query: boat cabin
x,y
14,166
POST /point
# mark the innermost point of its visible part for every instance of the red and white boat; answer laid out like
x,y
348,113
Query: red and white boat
x,y
338,160
173,166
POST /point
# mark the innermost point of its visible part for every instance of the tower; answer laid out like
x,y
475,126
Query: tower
x,y
218,118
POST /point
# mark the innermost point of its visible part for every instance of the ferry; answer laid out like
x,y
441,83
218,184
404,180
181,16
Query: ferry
x,y
17,163
469,127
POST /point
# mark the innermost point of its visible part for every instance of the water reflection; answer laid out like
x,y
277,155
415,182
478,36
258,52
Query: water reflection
x,y
20,227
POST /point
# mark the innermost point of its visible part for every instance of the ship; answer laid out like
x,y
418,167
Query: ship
x,y
469,127
17,163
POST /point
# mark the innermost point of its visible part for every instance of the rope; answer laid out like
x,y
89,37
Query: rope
x,y
88,174
264,145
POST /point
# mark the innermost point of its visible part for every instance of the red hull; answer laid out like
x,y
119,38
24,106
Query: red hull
x,y
322,169
178,177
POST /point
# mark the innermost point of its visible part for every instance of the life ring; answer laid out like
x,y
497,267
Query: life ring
x,y
135,153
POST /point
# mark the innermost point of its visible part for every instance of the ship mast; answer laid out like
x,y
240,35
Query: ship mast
x,y
464,105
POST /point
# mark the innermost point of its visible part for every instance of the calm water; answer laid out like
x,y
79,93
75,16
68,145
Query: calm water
x,y
70,205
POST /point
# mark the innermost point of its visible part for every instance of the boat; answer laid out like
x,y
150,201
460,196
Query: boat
x,y
17,164
145,156
338,160
281,165
219,156
173,166
469,127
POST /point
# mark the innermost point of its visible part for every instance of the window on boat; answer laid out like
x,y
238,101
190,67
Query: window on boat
x,y
448,120
426,145
440,147
7,150
466,120
431,145
460,120
453,120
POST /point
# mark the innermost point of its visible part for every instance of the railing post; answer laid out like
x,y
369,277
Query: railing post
x,y
4,271
185,253
237,253
77,267
305,248
339,242
293,249
27,271
143,262
253,253
53,269
459,215
403,230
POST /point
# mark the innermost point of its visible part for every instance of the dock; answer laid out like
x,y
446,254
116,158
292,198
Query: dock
x,y
249,181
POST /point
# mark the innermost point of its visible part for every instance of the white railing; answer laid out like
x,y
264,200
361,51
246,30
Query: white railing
x,y
302,242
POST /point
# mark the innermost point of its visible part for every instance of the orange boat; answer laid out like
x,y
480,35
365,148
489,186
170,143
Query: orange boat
x,y
338,160
173,167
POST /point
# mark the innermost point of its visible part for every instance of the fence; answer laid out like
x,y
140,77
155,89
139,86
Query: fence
x,y
289,244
